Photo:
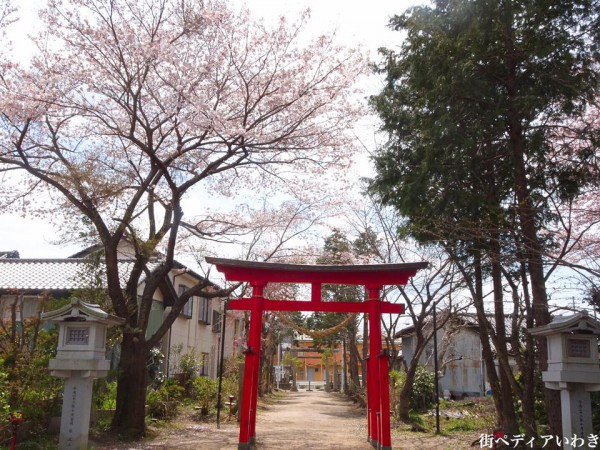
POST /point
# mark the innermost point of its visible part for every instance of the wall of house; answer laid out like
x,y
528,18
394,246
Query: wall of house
x,y
197,330
25,307
462,371
459,360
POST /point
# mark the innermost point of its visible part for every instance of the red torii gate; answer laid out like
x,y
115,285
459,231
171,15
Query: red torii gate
x,y
373,277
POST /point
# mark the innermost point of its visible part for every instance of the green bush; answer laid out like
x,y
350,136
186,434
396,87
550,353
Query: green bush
x,y
423,390
28,385
230,386
163,403
105,394
205,392
189,364
4,405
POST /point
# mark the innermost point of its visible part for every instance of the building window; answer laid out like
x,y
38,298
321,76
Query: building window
x,y
204,360
204,311
216,321
186,311
578,348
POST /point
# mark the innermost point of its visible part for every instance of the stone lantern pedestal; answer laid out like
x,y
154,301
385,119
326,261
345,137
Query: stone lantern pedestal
x,y
574,369
80,359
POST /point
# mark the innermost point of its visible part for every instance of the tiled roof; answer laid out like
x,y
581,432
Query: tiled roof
x,y
49,274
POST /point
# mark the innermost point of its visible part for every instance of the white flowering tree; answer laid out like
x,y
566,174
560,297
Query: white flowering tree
x,y
129,108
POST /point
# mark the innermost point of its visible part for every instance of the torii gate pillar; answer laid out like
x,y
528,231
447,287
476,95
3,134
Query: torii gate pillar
x,y
372,277
252,370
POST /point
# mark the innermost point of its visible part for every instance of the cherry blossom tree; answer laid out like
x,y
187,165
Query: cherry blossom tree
x,y
6,13
128,109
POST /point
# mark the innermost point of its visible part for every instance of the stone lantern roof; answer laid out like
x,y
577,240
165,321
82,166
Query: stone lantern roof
x,y
80,311
580,322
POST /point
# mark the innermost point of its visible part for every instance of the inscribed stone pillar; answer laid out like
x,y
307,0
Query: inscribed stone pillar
x,y
75,419
576,413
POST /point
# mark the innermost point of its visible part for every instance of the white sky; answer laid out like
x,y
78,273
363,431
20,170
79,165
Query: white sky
x,y
355,23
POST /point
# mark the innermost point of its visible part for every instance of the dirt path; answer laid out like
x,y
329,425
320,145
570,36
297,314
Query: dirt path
x,y
300,420
312,420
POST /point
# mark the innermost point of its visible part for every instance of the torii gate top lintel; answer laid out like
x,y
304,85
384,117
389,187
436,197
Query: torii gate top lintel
x,y
364,274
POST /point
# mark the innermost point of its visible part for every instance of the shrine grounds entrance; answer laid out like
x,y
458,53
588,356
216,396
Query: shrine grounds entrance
x,y
372,277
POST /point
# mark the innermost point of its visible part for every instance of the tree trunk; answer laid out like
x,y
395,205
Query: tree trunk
x,y
365,349
533,255
526,214
354,384
345,386
509,423
128,421
406,391
336,384
484,336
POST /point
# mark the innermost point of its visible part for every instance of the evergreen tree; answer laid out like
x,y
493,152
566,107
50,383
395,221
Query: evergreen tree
x,y
472,102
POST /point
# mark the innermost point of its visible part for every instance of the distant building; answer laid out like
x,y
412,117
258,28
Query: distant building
x,y
460,362
313,364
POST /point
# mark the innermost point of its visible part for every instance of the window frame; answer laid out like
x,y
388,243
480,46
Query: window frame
x,y
204,309
187,310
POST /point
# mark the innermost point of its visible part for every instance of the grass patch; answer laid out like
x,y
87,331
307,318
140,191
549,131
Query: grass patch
x,y
473,415
461,425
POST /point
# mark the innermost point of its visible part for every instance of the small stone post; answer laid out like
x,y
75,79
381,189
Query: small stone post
x,y
574,369
81,357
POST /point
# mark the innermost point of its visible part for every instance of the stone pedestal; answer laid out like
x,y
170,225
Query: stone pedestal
x,y
75,418
576,413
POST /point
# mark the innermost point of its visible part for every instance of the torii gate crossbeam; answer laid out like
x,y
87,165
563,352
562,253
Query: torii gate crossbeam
x,y
372,277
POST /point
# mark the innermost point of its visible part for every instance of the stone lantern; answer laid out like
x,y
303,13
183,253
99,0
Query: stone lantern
x,y
573,368
80,358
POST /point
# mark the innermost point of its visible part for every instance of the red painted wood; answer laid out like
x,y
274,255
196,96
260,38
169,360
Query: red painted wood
x,y
246,399
315,292
385,437
257,314
372,274
251,370
373,377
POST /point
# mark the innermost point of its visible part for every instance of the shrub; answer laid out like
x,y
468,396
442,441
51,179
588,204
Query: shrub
x,y
188,364
423,389
153,365
205,392
4,406
29,387
423,392
163,402
105,394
